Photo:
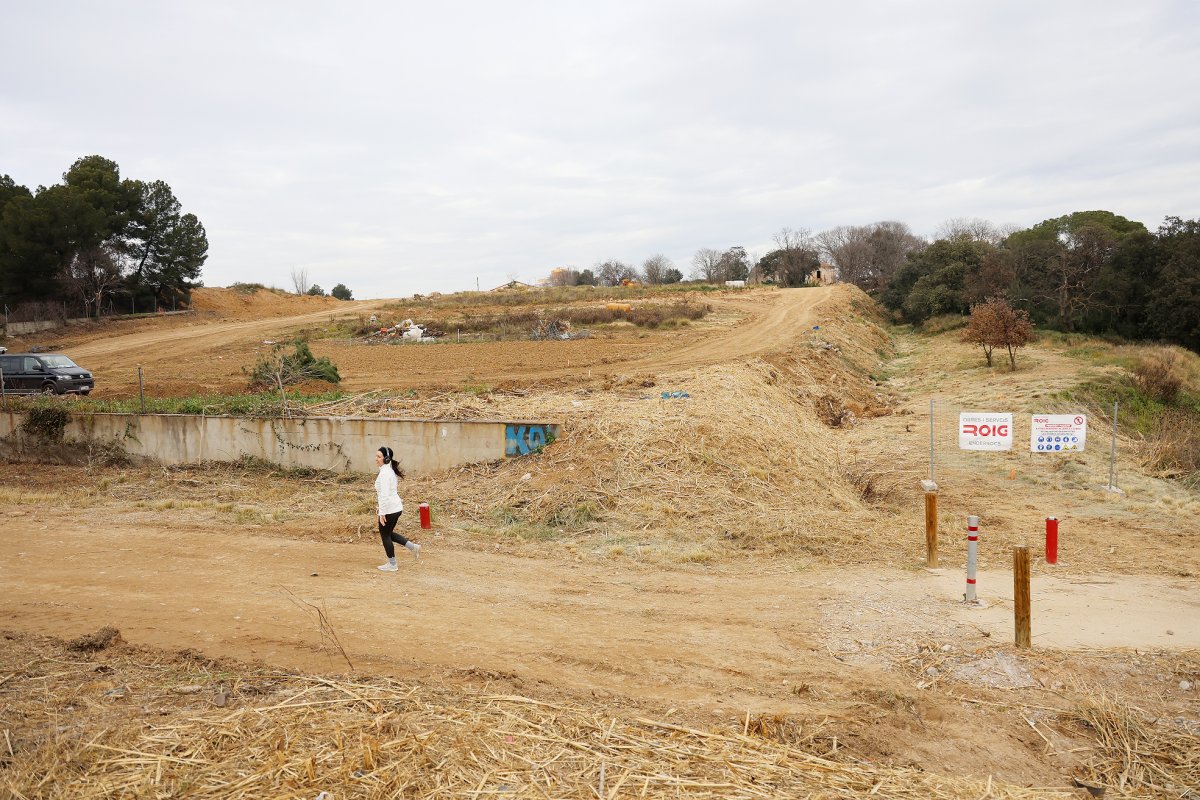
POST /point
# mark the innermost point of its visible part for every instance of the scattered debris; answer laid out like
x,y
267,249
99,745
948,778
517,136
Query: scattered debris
x,y
94,642
405,331
559,329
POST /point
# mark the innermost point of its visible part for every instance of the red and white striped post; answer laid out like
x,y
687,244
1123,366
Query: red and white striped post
x,y
972,558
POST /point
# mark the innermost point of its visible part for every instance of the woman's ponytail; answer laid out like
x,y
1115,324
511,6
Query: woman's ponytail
x,y
389,458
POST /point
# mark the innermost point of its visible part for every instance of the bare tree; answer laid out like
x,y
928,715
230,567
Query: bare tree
x,y
613,272
91,275
300,280
654,268
706,264
869,256
734,264
976,229
794,259
847,248
891,242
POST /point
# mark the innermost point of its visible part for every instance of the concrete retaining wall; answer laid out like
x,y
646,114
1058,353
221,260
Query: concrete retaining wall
x,y
24,328
336,443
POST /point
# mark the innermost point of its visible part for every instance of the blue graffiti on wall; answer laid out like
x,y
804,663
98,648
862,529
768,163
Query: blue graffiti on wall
x,y
521,440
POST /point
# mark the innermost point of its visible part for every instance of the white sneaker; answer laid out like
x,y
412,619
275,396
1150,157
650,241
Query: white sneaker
x,y
415,548
388,567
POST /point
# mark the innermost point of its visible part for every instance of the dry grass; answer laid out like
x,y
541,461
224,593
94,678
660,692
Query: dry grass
x,y
136,724
646,315
1140,756
1172,450
744,462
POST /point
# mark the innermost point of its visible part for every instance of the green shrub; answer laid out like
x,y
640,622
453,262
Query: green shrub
x,y
45,423
280,368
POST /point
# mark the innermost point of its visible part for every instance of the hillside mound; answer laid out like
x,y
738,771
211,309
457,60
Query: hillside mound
x,y
254,303
742,455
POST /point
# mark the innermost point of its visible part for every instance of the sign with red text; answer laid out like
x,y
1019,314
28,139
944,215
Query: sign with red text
x,y
984,430
1057,433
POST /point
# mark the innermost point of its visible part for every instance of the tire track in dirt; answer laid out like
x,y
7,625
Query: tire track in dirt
x,y
773,322
211,355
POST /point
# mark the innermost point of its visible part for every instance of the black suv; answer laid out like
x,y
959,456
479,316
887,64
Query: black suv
x,y
45,373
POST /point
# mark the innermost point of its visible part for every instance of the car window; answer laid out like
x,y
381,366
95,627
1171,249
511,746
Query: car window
x,y
8,364
57,362
31,364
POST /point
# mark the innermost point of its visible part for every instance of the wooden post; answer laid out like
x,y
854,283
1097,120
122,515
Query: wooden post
x,y
1021,595
931,530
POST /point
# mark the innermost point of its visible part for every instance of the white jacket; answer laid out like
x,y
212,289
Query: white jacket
x,y
387,487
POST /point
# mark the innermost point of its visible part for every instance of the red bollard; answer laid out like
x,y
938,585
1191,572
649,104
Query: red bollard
x,y
1051,540
424,511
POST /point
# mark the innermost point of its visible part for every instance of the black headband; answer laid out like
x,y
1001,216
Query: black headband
x,y
386,452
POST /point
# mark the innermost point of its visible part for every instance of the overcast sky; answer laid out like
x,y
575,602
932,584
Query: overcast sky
x,y
400,148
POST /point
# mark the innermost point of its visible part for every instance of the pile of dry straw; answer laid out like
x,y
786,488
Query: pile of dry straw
x,y
111,727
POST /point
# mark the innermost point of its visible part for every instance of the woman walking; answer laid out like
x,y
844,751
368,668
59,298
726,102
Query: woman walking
x,y
390,507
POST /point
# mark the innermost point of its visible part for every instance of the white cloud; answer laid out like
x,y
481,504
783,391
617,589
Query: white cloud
x,y
403,147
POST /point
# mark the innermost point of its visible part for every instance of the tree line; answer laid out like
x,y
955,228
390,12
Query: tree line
x,y
794,261
1088,271
97,239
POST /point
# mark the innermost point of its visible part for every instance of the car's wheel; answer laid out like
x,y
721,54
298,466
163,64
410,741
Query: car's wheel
x,y
48,388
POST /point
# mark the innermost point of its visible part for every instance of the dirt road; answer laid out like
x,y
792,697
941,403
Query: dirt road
x,y
208,355
733,638
764,323
170,354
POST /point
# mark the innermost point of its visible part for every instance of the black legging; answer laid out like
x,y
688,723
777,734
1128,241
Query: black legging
x,y
385,533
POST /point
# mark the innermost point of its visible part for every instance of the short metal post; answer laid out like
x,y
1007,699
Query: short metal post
x,y
972,558
1021,611
3,393
931,529
141,389
1051,540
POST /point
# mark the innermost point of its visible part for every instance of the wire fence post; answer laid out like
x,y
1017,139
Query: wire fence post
x,y
141,389
3,393
1112,454
931,524
931,478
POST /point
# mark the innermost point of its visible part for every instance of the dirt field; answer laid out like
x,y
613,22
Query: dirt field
x,y
728,565
207,351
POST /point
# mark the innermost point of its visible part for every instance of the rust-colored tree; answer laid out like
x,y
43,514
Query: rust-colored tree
x,y
994,323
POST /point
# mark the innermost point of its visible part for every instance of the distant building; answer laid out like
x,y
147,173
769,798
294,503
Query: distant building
x,y
826,274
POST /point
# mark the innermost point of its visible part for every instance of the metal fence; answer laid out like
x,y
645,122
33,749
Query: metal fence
x,y
1071,446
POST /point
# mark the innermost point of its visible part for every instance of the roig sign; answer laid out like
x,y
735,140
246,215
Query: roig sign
x,y
1057,433
984,430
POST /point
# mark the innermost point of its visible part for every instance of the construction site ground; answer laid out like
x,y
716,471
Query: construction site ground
x,y
748,561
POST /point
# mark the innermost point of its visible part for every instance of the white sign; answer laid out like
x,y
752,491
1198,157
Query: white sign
x,y
1058,433
984,430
